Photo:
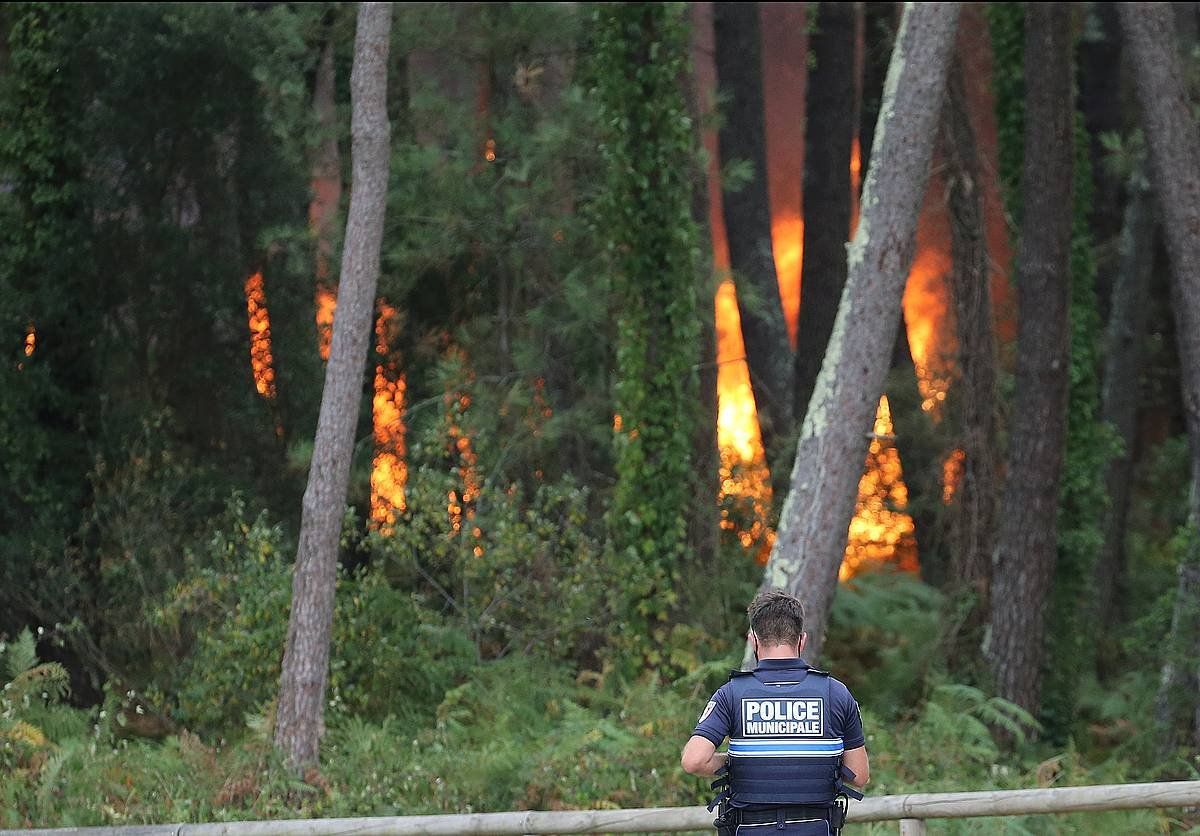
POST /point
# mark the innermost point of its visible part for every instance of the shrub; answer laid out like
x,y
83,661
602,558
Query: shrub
x,y
385,643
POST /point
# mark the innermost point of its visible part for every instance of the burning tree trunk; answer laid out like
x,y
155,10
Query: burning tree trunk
x,y
747,214
300,717
972,528
1026,546
812,532
1122,373
829,133
1175,168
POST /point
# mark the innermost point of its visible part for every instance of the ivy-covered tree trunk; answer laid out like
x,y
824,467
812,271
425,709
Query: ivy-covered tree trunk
x,y
813,527
1025,552
640,60
829,133
748,219
704,530
1170,127
972,528
299,722
49,317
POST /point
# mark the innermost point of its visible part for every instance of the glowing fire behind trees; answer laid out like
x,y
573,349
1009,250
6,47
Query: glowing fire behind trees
x,y
326,305
261,362
389,470
880,532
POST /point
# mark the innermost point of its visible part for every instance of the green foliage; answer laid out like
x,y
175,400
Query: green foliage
x,y
1006,26
882,627
234,614
28,707
43,210
638,60
490,566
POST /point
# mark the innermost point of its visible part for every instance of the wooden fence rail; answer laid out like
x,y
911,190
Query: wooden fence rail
x,y
910,810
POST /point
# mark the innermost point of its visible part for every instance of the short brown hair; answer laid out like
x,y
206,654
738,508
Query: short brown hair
x,y
776,617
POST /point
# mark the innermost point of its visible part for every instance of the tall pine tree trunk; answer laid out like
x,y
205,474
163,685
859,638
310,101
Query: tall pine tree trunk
x,y
813,527
1026,541
1121,392
829,132
748,219
1171,134
972,530
300,717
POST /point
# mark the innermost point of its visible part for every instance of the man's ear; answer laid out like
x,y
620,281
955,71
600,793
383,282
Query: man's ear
x,y
803,641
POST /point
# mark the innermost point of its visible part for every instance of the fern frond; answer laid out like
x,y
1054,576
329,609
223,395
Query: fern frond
x,y
49,679
21,654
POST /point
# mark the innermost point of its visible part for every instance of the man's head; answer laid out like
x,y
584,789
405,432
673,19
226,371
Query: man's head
x,y
776,619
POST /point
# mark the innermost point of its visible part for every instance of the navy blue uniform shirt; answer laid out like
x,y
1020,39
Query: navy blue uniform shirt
x,y
716,721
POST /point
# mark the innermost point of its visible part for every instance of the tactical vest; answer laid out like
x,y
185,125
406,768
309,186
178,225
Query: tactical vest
x,y
781,748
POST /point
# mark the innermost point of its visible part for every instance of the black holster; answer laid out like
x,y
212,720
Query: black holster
x,y
726,821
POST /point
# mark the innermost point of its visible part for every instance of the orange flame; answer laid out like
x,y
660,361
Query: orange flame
x,y
261,362
787,242
389,471
930,330
460,505
952,474
880,531
326,305
30,341
745,493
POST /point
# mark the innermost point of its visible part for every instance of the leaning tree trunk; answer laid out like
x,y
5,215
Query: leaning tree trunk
x,y
748,219
829,133
300,716
1026,546
972,531
1120,396
1170,128
829,457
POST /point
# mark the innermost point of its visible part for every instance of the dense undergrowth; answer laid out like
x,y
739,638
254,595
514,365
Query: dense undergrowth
x,y
426,727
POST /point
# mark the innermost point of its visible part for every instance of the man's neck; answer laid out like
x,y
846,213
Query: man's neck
x,y
780,651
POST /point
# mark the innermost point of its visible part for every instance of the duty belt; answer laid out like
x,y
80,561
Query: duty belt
x,y
786,813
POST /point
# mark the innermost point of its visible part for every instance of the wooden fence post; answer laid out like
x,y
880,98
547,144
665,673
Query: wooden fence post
x,y
912,827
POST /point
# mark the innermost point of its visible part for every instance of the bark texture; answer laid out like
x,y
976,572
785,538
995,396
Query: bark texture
x,y
829,133
829,458
1026,545
748,218
300,714
1175,172
972,531
1122,376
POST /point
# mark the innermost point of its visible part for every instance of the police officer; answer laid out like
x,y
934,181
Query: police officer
x,y
796,744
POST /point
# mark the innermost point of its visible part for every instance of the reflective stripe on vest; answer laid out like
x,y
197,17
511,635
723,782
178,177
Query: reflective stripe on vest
x,y
782,750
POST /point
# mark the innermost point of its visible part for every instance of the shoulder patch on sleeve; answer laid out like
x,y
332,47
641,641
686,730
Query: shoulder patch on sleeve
x,y
708,709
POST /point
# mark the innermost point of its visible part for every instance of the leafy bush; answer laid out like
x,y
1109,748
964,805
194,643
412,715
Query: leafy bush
x,y
881,631
385,643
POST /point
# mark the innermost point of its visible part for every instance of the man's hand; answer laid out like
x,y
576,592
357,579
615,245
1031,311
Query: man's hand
x,y
700,757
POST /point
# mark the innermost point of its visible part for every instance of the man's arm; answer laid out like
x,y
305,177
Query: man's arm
x,y
856,761
700,757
